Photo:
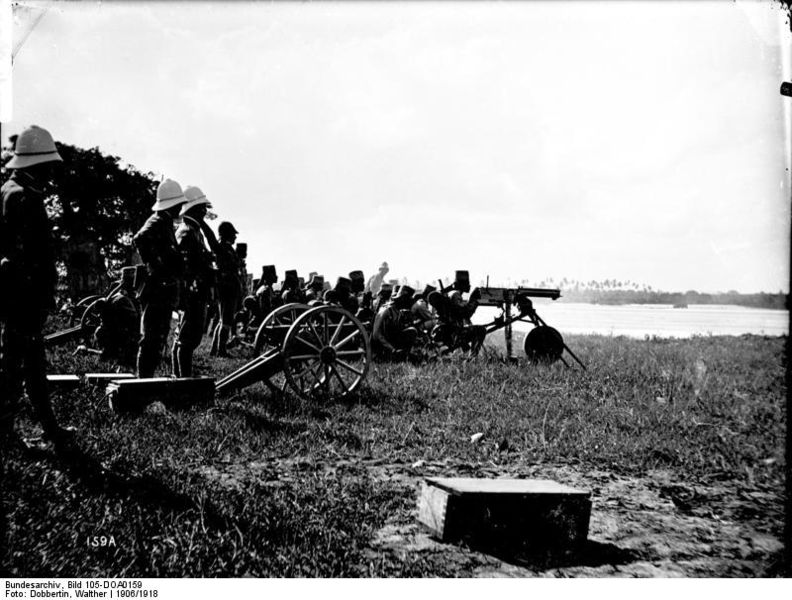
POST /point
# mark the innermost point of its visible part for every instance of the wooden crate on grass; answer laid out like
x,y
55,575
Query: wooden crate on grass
x,y
521,513
134,395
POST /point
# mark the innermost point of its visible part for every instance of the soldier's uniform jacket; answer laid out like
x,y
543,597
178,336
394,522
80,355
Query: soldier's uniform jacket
x,y
388,326
198,265
230,268
29,276
461,309
156,244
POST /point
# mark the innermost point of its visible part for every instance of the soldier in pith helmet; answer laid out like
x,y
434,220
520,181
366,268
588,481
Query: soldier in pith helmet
x,y
198,278
27,281
160,294
374,283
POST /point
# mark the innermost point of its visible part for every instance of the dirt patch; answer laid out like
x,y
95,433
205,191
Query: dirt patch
x,y
652,526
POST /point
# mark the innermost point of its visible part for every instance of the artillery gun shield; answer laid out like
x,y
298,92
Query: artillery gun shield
x,y
543,344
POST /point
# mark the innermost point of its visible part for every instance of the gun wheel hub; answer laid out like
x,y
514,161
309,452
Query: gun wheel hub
x,y
328,355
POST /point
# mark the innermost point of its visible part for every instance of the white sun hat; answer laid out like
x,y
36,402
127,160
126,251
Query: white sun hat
x,y
194,197
33,146
169,194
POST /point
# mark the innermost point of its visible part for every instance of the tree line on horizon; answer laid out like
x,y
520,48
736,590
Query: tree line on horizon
x,y
101,202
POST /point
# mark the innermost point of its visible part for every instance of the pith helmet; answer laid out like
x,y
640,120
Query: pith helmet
x,y
33,146
169,194
195,197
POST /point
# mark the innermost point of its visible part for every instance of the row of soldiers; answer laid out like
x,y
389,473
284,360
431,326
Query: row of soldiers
x,y
397,315
187,269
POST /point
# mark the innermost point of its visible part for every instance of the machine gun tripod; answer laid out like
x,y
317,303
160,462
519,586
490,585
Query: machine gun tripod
x,y
543,344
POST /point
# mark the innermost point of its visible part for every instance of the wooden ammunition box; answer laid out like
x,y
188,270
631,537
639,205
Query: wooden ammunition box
x,y
505,513
134,395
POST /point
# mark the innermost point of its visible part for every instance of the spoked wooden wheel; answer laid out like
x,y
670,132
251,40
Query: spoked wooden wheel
x,y
78,310
543,344
275,325
92,318
326,353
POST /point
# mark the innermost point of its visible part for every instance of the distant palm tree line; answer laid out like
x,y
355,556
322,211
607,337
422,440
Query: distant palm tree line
x,y
615,291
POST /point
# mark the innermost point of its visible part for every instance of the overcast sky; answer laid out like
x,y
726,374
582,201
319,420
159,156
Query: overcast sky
x,y
591,140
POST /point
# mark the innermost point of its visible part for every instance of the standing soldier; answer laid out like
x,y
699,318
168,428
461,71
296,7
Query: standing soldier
x,y
159,296
375,281
198,281
27,281
229,288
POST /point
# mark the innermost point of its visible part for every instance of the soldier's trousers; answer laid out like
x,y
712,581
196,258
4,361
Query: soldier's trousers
x,y
189,332
23,361
229,305
155,324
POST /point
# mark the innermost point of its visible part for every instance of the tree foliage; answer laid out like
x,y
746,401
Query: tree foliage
x,y
99,200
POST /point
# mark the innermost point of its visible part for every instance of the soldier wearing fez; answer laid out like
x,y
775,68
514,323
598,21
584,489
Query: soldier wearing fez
x,y
291,292
159,296
27,281
198,279
230,287
265,294
393,336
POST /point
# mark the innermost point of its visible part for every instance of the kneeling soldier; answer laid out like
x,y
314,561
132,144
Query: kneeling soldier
x,y
393,336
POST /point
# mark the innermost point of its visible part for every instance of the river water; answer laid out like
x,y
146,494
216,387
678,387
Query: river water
x,y
640,320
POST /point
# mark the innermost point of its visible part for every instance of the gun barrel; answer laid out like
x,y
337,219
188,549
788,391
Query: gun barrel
x,y
553,294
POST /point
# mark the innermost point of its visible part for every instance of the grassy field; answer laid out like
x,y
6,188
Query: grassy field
x,y
678,440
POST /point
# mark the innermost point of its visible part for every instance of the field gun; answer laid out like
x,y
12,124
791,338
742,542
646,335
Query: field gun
x,y
543,343
85,315
317,352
